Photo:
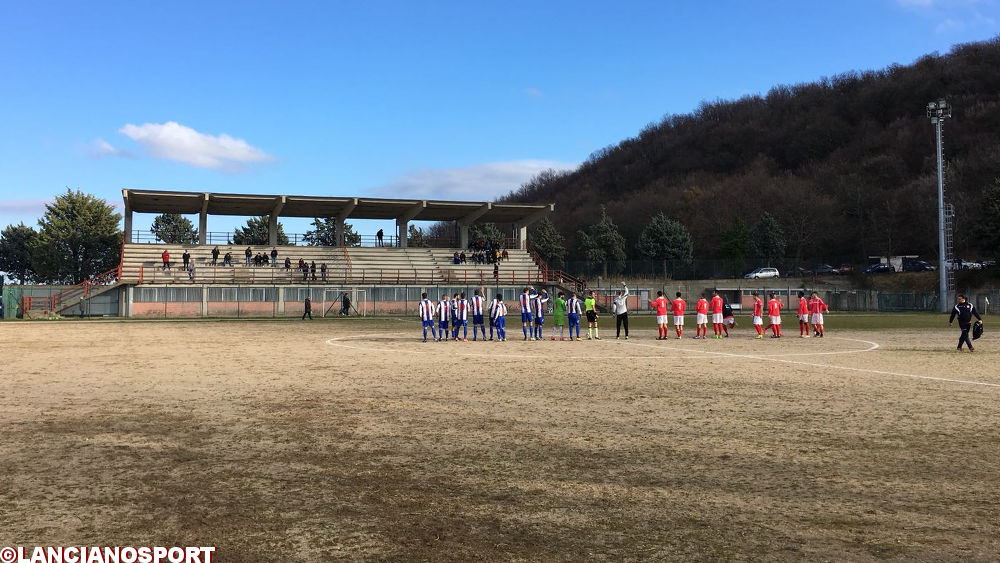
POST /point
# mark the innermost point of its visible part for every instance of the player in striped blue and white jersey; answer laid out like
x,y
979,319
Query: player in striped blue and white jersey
x,y
491,314
538,307
476,308
574,308
460,317
443,314
526,318
498,315
426,309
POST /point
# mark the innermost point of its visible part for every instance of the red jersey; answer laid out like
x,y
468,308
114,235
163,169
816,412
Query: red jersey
x,y
758,307
678,305
660,303
816,305
803,306
774,308
717,305
702,306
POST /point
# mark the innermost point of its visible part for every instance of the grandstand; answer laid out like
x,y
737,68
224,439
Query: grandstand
x,y
396,274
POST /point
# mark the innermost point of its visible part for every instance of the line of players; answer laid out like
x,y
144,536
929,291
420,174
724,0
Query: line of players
x,y
455,312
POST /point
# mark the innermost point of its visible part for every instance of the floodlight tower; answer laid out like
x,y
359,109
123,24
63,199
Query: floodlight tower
x,y
939,111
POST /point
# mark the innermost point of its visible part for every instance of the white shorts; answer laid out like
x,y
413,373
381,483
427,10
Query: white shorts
x,y
661,319
817,318
731,321
775,319
716,318
804,318
678,320
701,319
757,320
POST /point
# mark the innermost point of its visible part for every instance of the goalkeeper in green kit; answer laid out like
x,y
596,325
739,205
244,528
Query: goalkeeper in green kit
x,y
559,312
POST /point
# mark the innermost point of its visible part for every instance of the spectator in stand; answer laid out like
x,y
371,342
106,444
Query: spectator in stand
x,y
322,271
274,256
312,269
461,257
248,253
504,254
288,263
378,238
456,259
190,271
215,256
186,258
305,269
227,260
166,259
496,272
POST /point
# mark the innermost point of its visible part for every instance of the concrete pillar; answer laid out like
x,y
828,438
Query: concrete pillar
x,y
272,222
128,224
403,221
463,236
401,227
203,222
341,235
522,236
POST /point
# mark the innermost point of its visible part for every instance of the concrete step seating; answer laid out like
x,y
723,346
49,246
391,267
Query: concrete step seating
x,y
360,265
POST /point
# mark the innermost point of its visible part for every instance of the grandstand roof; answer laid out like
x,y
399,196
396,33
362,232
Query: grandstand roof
x,y
190,203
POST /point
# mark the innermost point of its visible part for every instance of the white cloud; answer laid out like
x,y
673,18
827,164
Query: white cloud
x,y
23,207
173,141
482,182
99,147
533,92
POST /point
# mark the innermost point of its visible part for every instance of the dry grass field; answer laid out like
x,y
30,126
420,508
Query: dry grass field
x,y
350,439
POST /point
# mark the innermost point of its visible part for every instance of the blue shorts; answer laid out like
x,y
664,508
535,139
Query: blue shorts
x,y
500,322
477,319
539,320
428,323
443,325
459,323
574,319
525,317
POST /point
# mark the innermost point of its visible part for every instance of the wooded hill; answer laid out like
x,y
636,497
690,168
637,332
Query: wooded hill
x,y
846,164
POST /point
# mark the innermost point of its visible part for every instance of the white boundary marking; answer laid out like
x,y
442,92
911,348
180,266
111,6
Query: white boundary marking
x,y
779,358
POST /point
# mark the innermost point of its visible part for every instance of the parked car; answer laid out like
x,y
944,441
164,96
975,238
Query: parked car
x,y
879,268
846,269
825,270
917,266
763,273
959,264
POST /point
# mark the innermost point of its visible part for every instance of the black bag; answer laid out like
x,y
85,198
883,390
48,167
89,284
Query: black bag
x,y
977,330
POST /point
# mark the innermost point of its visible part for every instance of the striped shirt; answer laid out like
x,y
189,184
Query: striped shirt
x,y
426,310
538,305
573,306
461,310
499,311
493,308
476,305
443,309
526,301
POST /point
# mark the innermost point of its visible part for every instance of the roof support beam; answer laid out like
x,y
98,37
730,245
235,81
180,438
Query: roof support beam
x,y
341,217
203,221
128,216
465,222
272,223
403,220
522,224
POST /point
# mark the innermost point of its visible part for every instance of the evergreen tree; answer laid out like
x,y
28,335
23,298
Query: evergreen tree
x,y
548,242
485,233
78,237
602,243
325,233
990,227
15,252
173,228
255,232
734,243
665,239
768,240
415,237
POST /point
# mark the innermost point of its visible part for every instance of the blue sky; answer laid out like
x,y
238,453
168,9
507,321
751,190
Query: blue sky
x,y
437,100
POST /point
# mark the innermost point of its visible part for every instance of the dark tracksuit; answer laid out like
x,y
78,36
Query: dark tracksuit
x,y
964,312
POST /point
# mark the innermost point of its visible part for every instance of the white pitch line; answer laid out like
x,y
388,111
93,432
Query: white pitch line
x,y
766,358
846,368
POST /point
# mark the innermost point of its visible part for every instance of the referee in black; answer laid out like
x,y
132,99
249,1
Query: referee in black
x,y
964,311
